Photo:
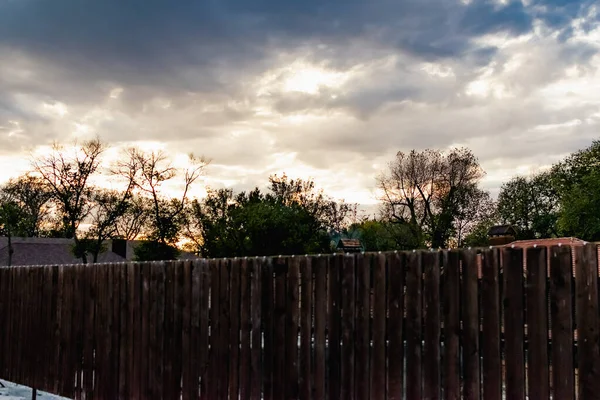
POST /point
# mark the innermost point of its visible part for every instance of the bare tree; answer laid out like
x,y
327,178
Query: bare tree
x,y
132,223
427,189
477,210
109,206
68,177
153,170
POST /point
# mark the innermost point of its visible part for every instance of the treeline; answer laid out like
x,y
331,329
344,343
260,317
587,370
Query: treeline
x,y
65,196
434,199
428,198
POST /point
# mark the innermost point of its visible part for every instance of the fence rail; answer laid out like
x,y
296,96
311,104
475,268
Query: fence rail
x,y
408,325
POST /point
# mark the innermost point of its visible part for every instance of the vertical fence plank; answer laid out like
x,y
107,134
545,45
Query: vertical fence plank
x,y
51,295
470,309
224,323
34,318
146,357
160,272
105,347
20,307
4,323
562,322
256,299
176,350
124,322
451,325
245,326
28,300
214,326
154,324
512,262
431,316
378,369
279,320
206,288
490,340
196,345
291,324
588,325
396,263
8,356
321,273
268,294
348,304
306,325
537,325
414,385
292,316
186,345
363,320
60,363
334,325
131,334
115,321
234,332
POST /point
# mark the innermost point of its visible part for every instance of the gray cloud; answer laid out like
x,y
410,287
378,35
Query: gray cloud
x,y
416,74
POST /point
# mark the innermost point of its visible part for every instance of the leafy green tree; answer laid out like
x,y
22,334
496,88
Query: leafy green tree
x,y
478,235
152,250
530,205
11,218
335,215
580,212
293,218
33,197
575,168
377,235
577,182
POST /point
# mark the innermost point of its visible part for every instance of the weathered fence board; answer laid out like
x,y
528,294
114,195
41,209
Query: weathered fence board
x,y
306,324
427,324
432,326
292,315
334,326
414,325
395,327
378,332
451,291
245,329
320,326
588,321
470,336
490,343
363,318
348,329
537,325
512,262
562,323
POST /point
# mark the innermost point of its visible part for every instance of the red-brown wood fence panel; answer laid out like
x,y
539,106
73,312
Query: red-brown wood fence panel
x,y
472,324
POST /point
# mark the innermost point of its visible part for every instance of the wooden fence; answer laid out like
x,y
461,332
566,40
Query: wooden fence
x,y
416,325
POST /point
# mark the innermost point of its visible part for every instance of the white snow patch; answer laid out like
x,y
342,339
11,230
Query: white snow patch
x,y
12,391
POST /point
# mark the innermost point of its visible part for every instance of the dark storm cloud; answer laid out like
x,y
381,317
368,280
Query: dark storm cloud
x,y
122,36
187,45
189,71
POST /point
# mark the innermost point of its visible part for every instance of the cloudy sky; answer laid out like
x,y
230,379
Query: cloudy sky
x,y
324,89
